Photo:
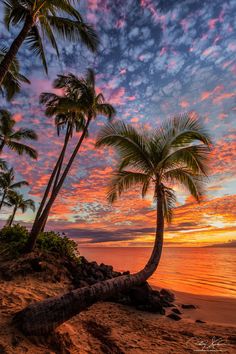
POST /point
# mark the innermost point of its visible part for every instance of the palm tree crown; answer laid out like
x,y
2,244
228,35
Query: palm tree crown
x,y
11,84
176,153
76,109
12,138
8,184
80,99
18,202
48,20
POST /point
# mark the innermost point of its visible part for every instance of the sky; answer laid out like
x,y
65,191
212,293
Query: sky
x,y
157,58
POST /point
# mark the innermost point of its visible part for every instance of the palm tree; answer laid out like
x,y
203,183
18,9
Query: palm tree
x,y
8,184
176,153
18,201
75,110
11,83
12,138
44,20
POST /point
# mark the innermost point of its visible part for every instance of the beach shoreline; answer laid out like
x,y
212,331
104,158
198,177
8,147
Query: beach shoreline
x,y
108,327
218,310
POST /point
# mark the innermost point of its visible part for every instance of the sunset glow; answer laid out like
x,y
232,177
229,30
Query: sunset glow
x,y
184,60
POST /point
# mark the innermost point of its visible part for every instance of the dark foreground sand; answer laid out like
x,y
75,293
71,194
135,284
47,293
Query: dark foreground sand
x,y
111,328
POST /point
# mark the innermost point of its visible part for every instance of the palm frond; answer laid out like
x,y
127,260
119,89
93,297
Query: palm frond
x,y
19,184
124,180
24,133
3,164
194,157
73,30
35,43
194,183
22,149
106,110
129,143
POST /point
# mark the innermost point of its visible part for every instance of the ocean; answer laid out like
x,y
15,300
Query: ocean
x,y
208,271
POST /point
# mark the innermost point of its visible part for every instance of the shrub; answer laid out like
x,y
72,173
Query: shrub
x,y
14,240
54,242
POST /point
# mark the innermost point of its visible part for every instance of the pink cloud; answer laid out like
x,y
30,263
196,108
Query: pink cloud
x,y
207,94
134,120
223,97
131,98
117,96
184,104
120,23
18,117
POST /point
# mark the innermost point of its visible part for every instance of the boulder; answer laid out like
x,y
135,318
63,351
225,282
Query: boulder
x,y
188,306
175,310
174,316
167,295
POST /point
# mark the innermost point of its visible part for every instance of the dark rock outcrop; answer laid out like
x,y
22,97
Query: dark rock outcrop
x,y
188,306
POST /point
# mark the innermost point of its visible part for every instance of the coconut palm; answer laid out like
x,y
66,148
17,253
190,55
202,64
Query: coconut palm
x,y
176,153
75,110
18,202
8,184
44,21
12,138
11,84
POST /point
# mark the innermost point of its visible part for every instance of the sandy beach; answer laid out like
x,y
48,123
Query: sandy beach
x,y
114,328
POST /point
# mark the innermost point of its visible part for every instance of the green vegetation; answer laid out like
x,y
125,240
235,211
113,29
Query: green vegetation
x,y
8,184
19,202
175,154
11,138
13,79
54,19
74,111
13,241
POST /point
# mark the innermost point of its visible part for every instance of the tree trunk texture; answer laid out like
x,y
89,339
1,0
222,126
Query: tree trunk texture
x,y
37,227
42,317
13,50
12,217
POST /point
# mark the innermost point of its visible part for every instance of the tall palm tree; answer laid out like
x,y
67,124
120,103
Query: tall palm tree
x,y
12,138
8,184
41,21
18,202
177,153
11,84
75,110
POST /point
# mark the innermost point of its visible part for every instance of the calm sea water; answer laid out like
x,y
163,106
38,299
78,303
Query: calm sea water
x,y
209,271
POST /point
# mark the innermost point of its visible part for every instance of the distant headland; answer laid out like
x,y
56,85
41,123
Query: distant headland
x,y
229,244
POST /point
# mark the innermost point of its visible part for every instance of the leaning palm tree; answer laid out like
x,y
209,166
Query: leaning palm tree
x,y
12,138
176,153
12,81
41,21
18,202
8,184
79,106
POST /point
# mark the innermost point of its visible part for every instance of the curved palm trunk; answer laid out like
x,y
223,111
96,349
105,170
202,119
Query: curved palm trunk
x,y
13,50
37,227
2,200
42,317
12,216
